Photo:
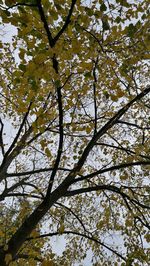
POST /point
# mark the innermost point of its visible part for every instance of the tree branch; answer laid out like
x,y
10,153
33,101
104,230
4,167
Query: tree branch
x,y
60,147
18,4
94,92
127,150
1,138
67,21
133,125
17,194
106,187
32,172
52,41
112,168
19,131
26,256
43,18
100,133
73,213
82,235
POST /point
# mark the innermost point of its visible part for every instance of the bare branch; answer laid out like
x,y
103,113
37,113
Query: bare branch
x,y
60,147
1,137
94,92
19,131
32,172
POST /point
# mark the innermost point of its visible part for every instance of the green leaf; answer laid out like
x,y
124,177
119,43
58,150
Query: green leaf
x,y
118,19
103,7
105,25
58,6
22,67
131,29
87,74
57,83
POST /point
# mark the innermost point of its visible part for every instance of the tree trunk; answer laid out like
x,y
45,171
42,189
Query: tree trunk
x,y
18,239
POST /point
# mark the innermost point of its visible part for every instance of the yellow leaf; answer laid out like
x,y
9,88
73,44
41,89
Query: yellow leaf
x,y
124,177
114,97
147,237
5,247
1,233
47,263
34,233
8,258
120,93
48,153
61,228
88,130
40,58
43,143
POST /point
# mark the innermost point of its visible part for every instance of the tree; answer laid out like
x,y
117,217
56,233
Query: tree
x,y
74,132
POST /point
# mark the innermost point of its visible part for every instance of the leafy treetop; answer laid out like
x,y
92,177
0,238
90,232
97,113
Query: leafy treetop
x,y
74,132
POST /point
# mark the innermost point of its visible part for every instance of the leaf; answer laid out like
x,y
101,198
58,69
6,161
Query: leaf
x,y
58,6
6,247
1,233
118,19
48,153
8,258
22,67
61,228
106,94
88,130
103,7
125,3
124,177
105,25
89,11
9,2
114,97
57,83
147,237
47,263
7,13
131,30
87,74
34,233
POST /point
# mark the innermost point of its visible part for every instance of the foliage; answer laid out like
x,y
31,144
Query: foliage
x,y
74,125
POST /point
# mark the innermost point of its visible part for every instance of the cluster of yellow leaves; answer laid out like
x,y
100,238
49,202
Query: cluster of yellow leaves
x,y
93,33
48,263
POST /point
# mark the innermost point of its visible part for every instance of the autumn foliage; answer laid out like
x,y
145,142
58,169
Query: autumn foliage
x,y
74,132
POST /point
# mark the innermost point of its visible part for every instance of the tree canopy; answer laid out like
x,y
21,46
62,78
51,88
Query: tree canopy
x,y
74,132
